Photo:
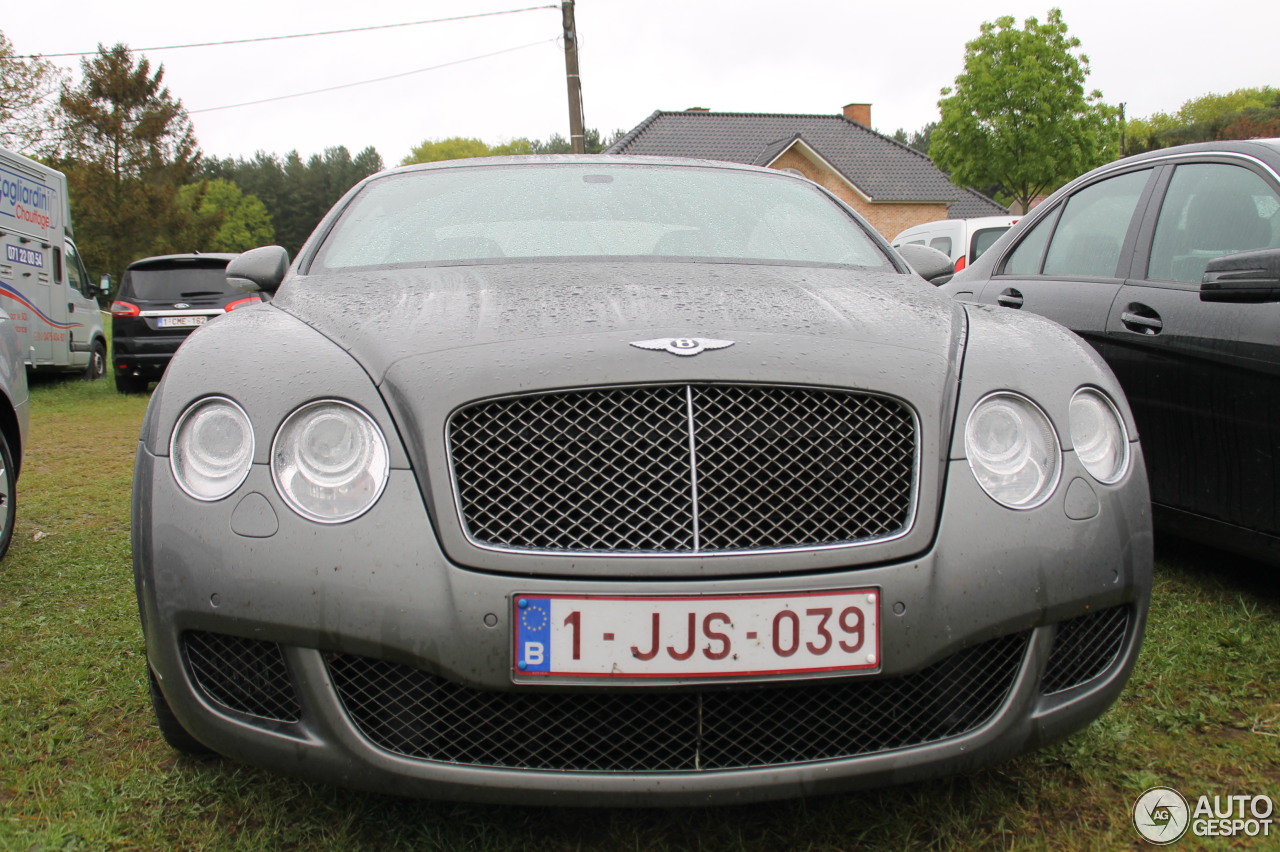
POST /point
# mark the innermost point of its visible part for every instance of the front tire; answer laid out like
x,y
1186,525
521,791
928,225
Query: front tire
x,y
8,495
178,737
97,366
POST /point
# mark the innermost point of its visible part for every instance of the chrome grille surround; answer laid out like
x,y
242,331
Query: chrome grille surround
x,y
672,470
411,712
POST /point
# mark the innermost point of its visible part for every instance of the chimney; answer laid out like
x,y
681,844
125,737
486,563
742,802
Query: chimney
x,y
860,113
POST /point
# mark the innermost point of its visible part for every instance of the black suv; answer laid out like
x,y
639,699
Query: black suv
x,y
161,301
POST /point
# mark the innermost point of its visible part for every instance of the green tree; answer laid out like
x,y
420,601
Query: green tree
x,y
1019,116
128,147
28,89
463,147
296,192
452,148
592,141
1241,114
919,140
220,217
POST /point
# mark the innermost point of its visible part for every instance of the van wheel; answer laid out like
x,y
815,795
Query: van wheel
x,y
178,737
97,367
8,495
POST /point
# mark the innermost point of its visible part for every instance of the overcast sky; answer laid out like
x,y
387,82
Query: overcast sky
x,y
637,56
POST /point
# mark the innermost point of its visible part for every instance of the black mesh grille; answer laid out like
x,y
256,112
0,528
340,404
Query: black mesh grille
x,y
244,675
1084,648
684,469
410,712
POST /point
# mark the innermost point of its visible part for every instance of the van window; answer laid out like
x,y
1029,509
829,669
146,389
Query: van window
x,y
76,276
983,240
942,244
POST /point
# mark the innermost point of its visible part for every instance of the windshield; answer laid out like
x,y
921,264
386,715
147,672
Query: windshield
x,y
180,282
560,211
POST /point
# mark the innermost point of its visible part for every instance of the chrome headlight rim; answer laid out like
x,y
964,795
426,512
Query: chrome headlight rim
x,y
1122,469
1049,484
381,448
176,451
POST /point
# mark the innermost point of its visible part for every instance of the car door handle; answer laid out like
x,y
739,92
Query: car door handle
x,y
1141,319
1010,298
71,307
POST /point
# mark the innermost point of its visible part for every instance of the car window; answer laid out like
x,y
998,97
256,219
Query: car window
x,y
1093,226
942,244
1209,210
162,283
1026,258
557,211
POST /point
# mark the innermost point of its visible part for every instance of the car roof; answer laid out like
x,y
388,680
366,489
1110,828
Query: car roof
x,y
1267,150
189,259
589,159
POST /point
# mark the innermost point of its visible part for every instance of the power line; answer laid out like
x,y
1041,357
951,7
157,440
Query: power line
x,y
377,80
299,35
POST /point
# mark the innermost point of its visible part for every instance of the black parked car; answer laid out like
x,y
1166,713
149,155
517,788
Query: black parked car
x,y
160,302
1169,264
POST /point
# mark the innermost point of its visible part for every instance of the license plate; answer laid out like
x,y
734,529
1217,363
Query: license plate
x,y
180,322
695,637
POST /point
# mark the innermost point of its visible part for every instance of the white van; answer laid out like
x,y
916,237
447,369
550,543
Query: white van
x,y
963,240
44,286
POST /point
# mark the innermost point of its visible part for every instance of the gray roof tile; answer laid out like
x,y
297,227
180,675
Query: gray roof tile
x,y
883,168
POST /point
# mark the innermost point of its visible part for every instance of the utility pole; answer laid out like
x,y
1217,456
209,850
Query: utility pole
x,y
576,136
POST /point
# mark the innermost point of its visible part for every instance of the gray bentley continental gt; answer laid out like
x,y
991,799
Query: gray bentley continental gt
x,y
608,481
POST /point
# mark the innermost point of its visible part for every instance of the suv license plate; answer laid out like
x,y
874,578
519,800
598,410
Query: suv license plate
x,y
701,637
180,322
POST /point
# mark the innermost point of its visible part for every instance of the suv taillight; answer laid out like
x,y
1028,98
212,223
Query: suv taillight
x,y
124,309
240,303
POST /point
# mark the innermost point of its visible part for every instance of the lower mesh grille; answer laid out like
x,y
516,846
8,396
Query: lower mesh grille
x,y
1084,648
411,712
245,675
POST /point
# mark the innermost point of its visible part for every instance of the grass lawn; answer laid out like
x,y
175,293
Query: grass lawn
x,y
82,766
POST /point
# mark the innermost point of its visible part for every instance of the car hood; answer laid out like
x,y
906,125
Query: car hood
x,y
385,317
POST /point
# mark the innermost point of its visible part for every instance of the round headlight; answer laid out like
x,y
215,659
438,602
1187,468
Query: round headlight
x,y
1012,450
329,461
211,449
1098,435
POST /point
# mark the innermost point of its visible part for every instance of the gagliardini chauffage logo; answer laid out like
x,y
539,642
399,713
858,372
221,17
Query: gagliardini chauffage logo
x,y
1163,816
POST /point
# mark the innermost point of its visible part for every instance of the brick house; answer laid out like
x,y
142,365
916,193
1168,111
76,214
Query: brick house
x,y
890,184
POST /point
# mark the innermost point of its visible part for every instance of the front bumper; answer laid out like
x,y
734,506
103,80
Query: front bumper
x,y
1012,630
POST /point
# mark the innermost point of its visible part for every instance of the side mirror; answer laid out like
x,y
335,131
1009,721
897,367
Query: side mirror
x,y
104,283
929,263
260,269
1250,276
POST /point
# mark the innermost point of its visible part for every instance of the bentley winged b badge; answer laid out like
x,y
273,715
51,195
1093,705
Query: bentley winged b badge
x,y
682,345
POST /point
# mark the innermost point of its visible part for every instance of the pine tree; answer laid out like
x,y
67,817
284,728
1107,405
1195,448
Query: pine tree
x,y
128,148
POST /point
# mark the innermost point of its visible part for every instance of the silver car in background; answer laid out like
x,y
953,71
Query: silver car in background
x,y
622,481
15,417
